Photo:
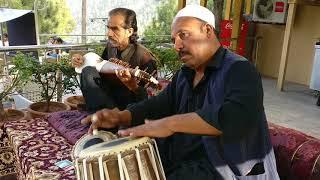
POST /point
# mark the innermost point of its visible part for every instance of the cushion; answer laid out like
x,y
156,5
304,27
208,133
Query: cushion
x,y
68,124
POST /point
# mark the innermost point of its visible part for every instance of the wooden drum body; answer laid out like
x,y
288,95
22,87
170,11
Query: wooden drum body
x,y
120,159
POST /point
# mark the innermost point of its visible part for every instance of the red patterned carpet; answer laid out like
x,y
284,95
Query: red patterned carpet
x,y
7,159
38,147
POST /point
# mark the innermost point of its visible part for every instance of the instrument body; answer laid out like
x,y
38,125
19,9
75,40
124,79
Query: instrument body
x,y
120,159
109,67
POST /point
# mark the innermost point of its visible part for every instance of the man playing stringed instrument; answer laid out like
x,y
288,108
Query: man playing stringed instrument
x,y
104,90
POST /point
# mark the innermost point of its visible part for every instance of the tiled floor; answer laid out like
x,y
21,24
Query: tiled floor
x,y
294,107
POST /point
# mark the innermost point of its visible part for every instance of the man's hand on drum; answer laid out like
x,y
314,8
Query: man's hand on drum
x,y
127,79
105,118
151,128
76,60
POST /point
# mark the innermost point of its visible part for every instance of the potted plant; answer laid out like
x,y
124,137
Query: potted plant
x,y
70,74
49,76
17,76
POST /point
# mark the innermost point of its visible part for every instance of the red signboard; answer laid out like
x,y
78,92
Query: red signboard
x,y
279,7
225,35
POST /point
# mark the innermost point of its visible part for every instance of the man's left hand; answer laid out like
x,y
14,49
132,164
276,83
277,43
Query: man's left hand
x,y
151,128
127,79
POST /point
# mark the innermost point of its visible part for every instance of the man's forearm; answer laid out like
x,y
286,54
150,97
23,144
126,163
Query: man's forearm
x,y
191,123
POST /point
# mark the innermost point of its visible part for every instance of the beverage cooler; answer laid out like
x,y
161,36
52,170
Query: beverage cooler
x,y
315,76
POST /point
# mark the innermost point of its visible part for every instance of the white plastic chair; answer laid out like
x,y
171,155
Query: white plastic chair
x,y
20,101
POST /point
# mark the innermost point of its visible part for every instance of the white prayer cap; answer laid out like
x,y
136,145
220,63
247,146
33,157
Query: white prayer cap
x,y
197,11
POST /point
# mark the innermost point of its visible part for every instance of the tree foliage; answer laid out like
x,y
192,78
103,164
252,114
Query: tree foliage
x,y
160,26
158,32
46,75
54,15
18,75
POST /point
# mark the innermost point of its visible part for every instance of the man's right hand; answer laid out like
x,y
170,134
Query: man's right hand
x,y
76,60
108,118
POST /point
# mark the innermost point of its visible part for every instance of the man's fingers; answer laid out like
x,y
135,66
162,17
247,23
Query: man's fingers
x,y
123,133
117,73
127,73
90,131
76,62
93,127
79,61
86,120
137,131
95,121
147,121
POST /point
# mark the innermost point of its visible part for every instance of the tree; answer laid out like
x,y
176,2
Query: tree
x,y
159,31
160,26
54,15
217,9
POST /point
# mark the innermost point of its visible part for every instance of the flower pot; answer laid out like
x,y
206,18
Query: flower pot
x,y
14,114
73,101
40,109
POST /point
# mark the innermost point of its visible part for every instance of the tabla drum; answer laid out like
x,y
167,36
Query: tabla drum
x,y
88,140
120,159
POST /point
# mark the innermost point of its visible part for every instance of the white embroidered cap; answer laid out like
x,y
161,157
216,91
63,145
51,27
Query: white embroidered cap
x,y
197,11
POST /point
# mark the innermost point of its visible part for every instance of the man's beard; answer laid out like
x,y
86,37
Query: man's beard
x,y
114,43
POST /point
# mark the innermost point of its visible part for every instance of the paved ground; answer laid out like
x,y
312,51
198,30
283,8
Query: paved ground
x,y
294,107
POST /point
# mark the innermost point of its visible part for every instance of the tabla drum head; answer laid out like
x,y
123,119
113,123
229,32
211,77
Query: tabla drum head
x,y
89,59
114,146
88,140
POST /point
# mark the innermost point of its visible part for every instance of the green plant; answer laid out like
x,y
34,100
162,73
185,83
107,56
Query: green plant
x,y
157,35
99,49
17,76
160,26
168,60
70,80
54,15
50,75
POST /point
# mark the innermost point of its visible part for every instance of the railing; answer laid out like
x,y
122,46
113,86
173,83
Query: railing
x,y
44,47
73,38
253,54
28,48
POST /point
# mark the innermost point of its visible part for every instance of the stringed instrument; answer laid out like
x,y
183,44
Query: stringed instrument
x,y
113,64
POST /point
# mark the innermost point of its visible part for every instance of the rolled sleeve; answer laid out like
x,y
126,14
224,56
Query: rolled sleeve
x,y
210,115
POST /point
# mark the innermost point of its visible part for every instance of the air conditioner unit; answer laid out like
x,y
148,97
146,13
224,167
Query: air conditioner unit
x,y
270,11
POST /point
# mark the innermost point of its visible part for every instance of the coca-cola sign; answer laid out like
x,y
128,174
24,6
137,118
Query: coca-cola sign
x,y
225,35
228,26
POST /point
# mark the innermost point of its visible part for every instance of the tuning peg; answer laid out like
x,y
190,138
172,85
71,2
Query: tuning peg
x,y
153,72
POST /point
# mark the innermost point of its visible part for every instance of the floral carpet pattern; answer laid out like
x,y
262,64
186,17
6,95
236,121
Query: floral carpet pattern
x,y
38,147
7,166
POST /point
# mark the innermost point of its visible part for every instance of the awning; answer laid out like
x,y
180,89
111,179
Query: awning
x,y
9,14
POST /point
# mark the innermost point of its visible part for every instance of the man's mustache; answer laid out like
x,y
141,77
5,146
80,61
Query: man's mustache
x,y
183,52
110,39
